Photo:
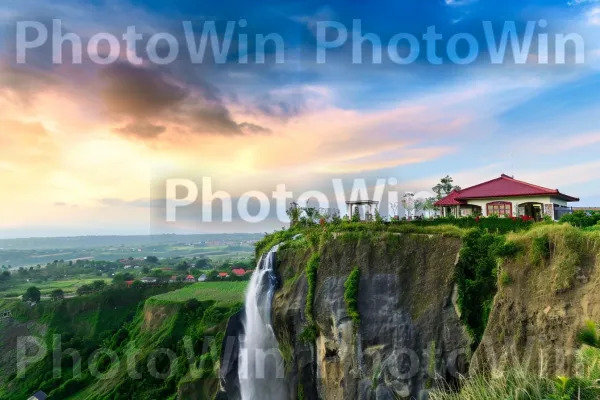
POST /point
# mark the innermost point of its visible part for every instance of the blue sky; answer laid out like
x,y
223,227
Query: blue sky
x,y
76,136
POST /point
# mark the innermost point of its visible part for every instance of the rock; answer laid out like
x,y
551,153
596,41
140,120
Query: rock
x,y
229,356
384,393
406,315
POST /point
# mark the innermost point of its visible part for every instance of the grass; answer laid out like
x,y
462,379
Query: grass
x,y
286,349
518,384
351,296
223,293
311,277
562,247
68,286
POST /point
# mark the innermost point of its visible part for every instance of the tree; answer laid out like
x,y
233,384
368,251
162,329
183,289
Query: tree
x,y
32,294
145,269
444,188
428,205
4,276
122,277
202,264
183,266
213,275
152,259
293,213
356,215
57,295
85,289
98,285
157,273
408,202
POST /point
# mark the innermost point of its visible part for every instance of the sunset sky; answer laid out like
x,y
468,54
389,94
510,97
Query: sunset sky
x,y
85,148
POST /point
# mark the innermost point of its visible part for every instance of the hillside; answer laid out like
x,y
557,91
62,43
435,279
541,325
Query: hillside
x,y
159,343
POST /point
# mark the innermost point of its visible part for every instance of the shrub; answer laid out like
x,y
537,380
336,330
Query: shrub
x,y
351,295
309,333
476,278
581,219
505,279
540,249
311,277
588,335
32,294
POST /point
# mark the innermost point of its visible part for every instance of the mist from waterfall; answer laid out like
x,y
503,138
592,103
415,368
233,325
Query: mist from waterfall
x,y
261,369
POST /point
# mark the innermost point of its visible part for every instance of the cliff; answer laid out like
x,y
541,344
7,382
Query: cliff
x,y
407,337
546,294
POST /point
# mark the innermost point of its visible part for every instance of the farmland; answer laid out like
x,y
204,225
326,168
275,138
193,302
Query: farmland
x,y
223,293
69,286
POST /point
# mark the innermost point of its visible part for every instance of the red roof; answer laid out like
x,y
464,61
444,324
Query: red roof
x,y
239,271
505,186
189,277
450,200
223,274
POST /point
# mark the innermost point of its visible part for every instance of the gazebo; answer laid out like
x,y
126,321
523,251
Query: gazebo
x,y
351,205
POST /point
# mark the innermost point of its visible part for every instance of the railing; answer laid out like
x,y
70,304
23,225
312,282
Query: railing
x,y
560,211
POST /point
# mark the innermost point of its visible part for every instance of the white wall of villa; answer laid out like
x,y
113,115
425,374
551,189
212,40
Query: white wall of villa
x,y
466,210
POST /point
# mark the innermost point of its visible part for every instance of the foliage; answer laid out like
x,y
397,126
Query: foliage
x,y
351,295
505,279
588,335
286,348
492,224
518,384
311,278
114,319
540,249
356,215
378,217
309,333
293,213
57,295
581,219
32,294
444,188
94,287
562,247
4,276
266,243
476,278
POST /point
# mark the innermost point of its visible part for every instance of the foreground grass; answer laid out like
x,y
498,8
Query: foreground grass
x,y
223,293
519,384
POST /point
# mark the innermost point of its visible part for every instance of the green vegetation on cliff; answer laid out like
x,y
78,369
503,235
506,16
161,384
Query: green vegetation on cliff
x,y
351,295
140,343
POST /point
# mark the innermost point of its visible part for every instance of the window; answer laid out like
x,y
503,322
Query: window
x,y
500,208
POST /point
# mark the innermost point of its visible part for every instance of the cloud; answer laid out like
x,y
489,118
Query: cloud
x,y
579,2
152,102
24,84
459,3
139,92
142,129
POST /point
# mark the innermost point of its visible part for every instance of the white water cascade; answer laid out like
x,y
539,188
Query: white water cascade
x,y
261,369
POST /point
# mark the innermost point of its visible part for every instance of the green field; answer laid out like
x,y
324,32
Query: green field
x,y
68,286
224,293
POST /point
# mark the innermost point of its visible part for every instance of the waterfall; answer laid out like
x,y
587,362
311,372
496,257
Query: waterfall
x,y
261,369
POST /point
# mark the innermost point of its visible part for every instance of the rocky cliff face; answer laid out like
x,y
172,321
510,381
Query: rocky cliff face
x,y
409,336
541,305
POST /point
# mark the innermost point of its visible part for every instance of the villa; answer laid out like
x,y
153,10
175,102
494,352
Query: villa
x,y
505,197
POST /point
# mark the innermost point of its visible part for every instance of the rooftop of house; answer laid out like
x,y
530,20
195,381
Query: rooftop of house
x,y
504,186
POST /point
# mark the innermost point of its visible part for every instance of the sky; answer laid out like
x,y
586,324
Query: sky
x,y
86,148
